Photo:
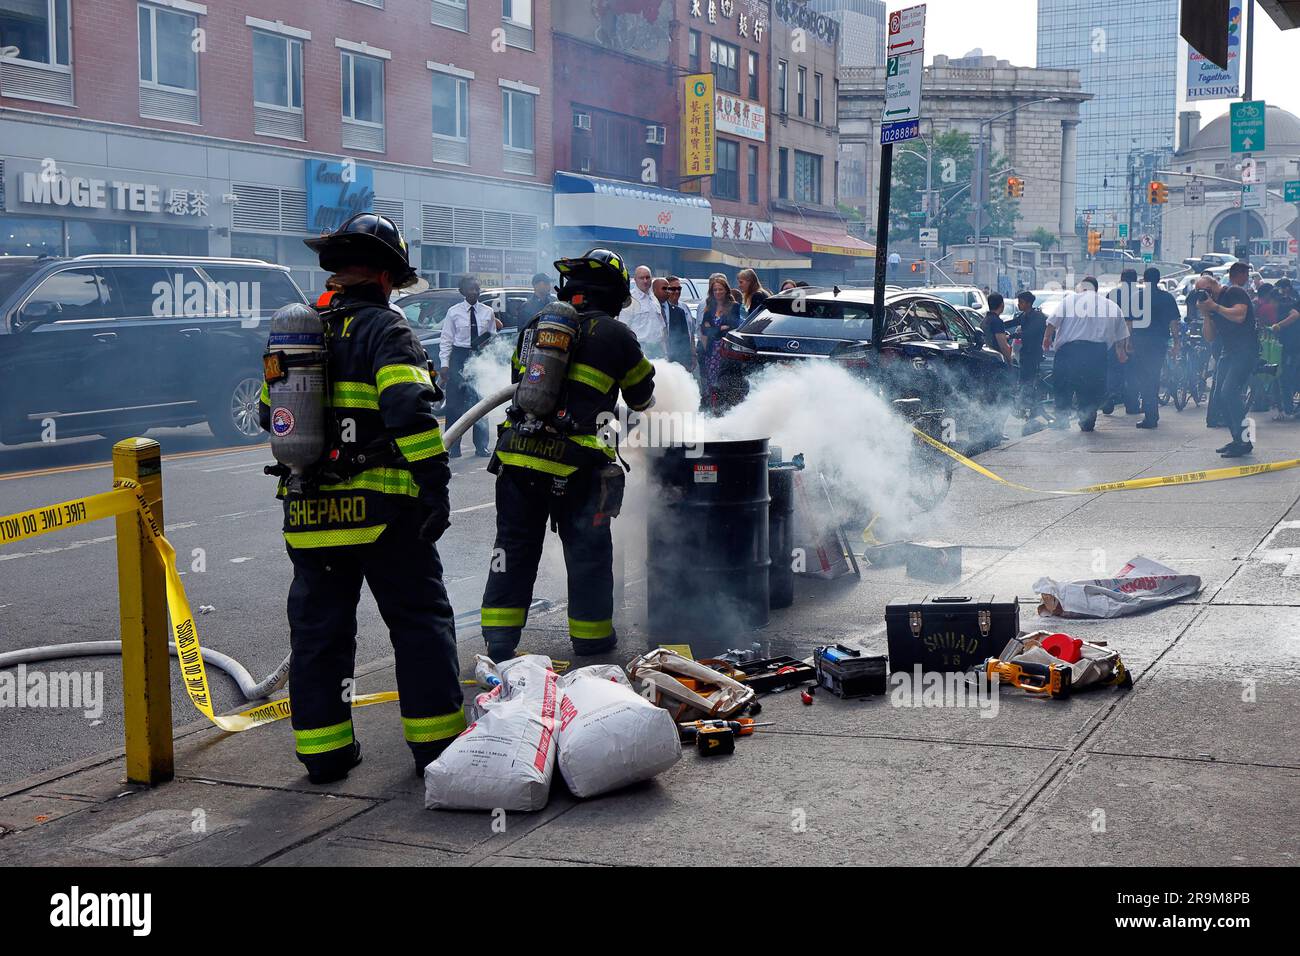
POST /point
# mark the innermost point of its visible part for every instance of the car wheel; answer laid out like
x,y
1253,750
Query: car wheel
x,y
234,417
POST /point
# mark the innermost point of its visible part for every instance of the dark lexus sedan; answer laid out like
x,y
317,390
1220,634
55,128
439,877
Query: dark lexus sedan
x,y
928,350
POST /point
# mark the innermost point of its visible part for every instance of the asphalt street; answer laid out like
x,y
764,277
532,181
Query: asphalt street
x,y
222,517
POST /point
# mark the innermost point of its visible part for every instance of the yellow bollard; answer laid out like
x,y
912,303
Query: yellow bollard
x,y
142,599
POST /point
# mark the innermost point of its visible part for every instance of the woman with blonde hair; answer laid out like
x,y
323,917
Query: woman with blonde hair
x,y
752,293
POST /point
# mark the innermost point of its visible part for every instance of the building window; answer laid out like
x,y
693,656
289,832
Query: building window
x,y
800,86
752,171
817,97
277,85
38,31
723,58
782,173
450,118
363,102
169,65
517,22
781,70
726,180
517,111
753,75
693,50
612,144
37,28
807,177
452,14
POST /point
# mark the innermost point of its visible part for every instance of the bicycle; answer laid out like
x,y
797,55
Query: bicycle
x,y
1185,378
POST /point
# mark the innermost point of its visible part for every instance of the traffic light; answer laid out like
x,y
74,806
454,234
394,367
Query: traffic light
x,y
1157,193
1094,242
1015,187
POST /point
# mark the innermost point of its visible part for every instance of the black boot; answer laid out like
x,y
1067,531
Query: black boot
x,y
332,766
588,648
427,753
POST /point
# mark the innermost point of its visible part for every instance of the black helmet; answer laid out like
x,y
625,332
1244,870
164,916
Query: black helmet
x,y
366,239
598,271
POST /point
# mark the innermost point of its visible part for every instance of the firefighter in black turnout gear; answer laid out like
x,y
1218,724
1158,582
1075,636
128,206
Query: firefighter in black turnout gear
x,y
371,510
570,363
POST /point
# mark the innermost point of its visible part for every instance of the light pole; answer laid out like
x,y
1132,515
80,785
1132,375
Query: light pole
x,y
1247,90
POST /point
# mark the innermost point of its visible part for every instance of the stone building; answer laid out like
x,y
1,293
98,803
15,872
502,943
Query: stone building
x,y
1037,134
1214,224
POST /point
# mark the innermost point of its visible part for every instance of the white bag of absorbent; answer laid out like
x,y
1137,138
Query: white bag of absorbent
x,y
1140,585
505,759
611,736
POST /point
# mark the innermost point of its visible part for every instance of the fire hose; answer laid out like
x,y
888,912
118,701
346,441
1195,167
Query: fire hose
x,y
252,689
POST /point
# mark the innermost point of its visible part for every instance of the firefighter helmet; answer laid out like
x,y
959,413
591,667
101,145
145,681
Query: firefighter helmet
x,y
366,239
599,270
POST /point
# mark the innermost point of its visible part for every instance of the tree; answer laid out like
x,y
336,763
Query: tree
x,y
1043,237
953,163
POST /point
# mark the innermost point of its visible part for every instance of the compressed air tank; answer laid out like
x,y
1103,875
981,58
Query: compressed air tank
x,y
296,348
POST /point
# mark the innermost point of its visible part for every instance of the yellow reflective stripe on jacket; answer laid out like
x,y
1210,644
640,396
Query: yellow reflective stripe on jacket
x,y
398,374
355,395
588,375
266,394
517,365
321,740
423,730
387,481
590,630
639,371
334,538
503,616
537,464
592,441
421,445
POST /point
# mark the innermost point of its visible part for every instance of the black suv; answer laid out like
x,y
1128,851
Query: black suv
x,y
116,345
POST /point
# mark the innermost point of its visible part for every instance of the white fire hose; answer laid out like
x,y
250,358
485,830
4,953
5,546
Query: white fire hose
x,y
250,688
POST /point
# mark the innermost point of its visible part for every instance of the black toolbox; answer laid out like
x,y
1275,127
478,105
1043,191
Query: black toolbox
x,y
846,672
949,633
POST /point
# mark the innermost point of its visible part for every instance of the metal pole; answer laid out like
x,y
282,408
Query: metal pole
x,y
929,196
882,242
1247,89
142,589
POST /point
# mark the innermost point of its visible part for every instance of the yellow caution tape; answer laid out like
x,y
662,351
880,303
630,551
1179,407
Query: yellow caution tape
x,y
1133,484
125,498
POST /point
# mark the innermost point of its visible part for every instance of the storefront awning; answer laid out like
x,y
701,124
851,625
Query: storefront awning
x,y
746,255
832,242
592,211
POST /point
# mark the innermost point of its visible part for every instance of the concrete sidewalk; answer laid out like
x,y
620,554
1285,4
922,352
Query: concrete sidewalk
x,y
1197,764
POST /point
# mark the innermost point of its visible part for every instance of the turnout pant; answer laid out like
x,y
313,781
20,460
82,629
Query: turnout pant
x,y
405,577
1230,378
526,501
1079,379
1144,367
461,396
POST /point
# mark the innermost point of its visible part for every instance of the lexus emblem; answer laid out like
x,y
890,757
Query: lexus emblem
x,y
792,345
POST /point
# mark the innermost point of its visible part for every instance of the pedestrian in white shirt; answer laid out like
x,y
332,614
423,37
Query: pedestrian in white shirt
x,y
1083,327
466,328
644,315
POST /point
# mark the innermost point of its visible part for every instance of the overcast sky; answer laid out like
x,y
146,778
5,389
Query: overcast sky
x,y
954,27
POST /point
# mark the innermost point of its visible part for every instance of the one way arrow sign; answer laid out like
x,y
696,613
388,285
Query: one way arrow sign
x,y
906,31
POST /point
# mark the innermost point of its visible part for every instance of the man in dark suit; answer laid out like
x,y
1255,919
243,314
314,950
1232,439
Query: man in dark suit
x,y
679,331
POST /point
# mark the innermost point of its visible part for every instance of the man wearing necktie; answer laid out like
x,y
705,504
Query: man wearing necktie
x,y
467,328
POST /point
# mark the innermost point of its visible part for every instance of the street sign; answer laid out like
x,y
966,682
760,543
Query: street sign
x,y
906,31
903,87
1148,242
1292,246
898,132
1247,123
983,239
914,214
1194,194
1123,230
1252,197
929,238
1148,256
1293,190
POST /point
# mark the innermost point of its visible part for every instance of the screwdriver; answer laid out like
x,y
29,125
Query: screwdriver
x,y
741,728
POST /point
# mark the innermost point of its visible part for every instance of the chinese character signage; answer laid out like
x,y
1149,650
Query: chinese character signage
x,y
746,230
749,16
336,192
741,117
698,126
82,190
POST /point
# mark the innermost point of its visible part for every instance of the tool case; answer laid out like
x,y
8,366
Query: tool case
x,y
949,633
846,672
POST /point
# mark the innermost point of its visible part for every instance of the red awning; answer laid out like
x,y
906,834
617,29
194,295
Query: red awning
x,y
807,239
